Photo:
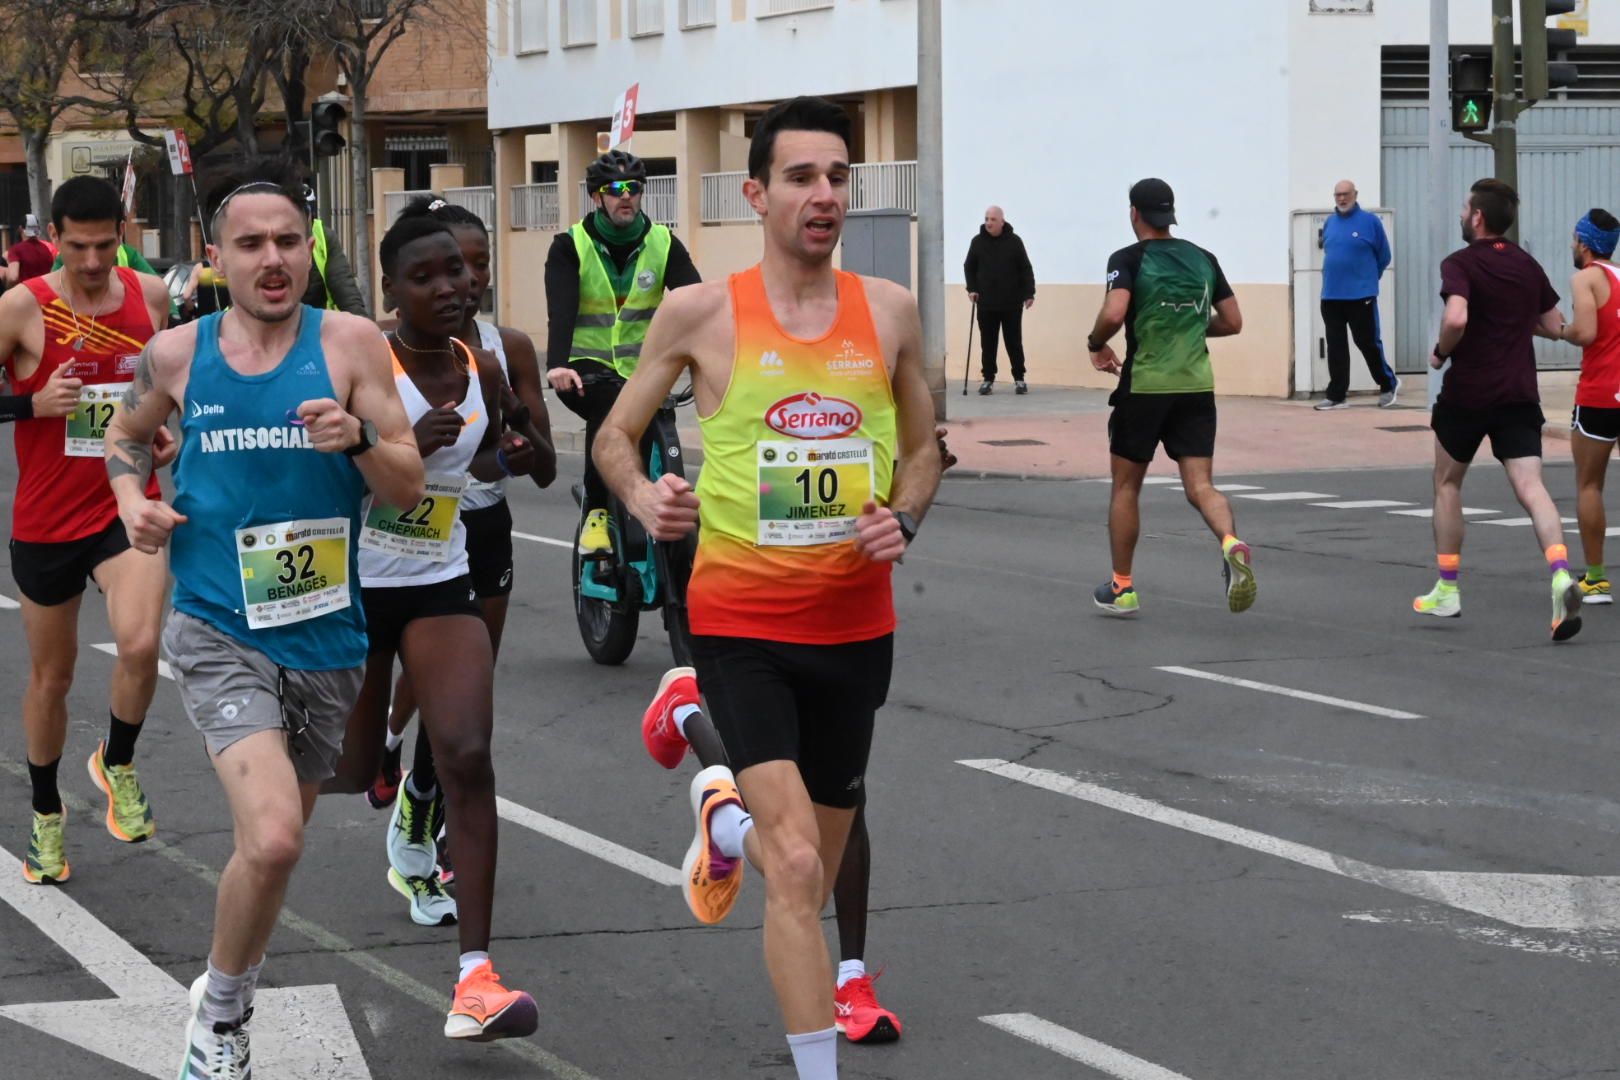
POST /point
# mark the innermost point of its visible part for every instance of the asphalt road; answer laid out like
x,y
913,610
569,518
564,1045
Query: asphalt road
x,y
1141,869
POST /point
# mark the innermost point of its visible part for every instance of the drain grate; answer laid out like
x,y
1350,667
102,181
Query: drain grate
x,y
1406,427
1012,442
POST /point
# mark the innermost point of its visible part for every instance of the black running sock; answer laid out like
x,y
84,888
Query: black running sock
x,y
424,777
120,742
47,800
851,889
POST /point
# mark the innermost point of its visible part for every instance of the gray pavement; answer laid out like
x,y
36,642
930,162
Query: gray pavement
x,y
1212,878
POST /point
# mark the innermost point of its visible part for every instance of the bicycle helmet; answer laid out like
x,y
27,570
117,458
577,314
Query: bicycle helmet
x,y
614,165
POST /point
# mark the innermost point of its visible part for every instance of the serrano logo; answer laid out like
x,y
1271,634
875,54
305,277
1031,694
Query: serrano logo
x,y
812,416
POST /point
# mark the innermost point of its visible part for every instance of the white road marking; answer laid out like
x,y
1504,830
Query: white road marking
x,y
589,843
1532,901
1076,1047
1520,522
1363,504
1613,530
1227,487
1468,511
111,649
8,604
297,1032
1303,695
541,539
1287,496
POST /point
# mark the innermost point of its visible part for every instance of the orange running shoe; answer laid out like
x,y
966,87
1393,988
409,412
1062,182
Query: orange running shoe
x,y
484,1010
709,878
659,731
860,1017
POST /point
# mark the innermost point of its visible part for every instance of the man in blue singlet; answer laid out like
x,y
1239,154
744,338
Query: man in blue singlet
x,y
288,414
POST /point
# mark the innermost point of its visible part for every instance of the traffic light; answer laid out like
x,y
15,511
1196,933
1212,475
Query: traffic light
x,y
324,120
1470,93
1542,72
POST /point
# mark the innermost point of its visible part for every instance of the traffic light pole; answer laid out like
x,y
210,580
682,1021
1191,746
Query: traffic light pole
x,y
1441,206
1504,136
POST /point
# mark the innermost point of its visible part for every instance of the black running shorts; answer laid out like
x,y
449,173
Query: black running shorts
x,y
810,704
390,610
489,548
51,574
1184,423
1514,430
1600,424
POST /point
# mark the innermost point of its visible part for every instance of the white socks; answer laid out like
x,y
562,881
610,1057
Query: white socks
x,y
815,1055
727,827
850,969
222,997
470,960
681,713
393,741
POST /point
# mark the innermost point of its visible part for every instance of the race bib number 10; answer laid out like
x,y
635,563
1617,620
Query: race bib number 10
x,y
87,425
422,532
812,492
293,570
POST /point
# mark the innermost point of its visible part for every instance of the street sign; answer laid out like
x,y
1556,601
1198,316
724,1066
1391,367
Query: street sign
x,y
129,185
624,115
179,152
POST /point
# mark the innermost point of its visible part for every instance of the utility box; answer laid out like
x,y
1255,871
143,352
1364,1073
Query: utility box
x,y
1310,335
877,243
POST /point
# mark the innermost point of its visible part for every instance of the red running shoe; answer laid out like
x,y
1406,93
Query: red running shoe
x,y
860,1017
659,731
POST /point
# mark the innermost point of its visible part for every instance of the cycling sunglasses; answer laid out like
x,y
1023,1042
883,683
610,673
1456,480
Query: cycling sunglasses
x,y
622,189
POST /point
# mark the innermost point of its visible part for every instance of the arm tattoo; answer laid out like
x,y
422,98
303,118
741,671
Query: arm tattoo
x,y
138,463
142,381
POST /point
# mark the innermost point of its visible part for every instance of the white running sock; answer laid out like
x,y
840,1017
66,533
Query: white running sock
x,y
681,713
815,1055
252,983
470,960
727,827
393,741
850,969
222,997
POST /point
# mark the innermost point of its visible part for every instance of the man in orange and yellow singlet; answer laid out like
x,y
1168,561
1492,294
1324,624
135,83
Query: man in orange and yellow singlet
x,y
819,462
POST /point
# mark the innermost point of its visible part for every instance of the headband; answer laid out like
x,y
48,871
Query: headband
x,y
268,186
1601,241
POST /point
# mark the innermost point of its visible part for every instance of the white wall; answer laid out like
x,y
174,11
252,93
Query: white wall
x,y
854,45
1055,113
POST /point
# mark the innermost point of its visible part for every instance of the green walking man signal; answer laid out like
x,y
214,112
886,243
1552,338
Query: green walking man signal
x,y
1470,93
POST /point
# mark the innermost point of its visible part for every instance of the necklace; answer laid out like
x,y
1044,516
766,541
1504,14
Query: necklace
x,y
455,357
79,334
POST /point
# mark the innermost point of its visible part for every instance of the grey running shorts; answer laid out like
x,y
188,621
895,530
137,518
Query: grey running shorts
x,y
231,691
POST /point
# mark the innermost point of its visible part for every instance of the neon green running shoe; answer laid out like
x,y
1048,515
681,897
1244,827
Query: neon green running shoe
x,y
1237,572
1123,602
129,817
45,864
1443,601
1566,606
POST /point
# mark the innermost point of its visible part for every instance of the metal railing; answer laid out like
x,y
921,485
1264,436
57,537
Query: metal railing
x,y
872,186
767,8
722,199
395,201
480,200
534,206
659,201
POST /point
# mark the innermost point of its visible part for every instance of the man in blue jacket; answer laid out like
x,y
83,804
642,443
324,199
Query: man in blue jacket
x,y
1355,253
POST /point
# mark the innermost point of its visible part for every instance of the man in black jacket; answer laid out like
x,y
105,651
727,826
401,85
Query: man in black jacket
x,y
1001,282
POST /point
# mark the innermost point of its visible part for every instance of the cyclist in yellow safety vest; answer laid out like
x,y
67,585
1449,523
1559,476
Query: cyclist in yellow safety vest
x,y
605,277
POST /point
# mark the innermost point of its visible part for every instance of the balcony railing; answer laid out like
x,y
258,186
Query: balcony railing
x,y
766,8
658,201
873,185
534,206
480,200
396,201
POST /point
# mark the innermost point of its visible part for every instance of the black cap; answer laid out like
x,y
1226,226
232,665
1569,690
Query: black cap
x,y
1155,201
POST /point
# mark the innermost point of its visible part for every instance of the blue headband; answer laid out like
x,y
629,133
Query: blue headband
x,y
1601,241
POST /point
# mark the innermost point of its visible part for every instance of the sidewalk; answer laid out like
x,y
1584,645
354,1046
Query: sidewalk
x,y
1062,434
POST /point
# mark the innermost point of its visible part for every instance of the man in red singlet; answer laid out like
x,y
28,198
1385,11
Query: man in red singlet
x,y
819,463
75,338
1595,425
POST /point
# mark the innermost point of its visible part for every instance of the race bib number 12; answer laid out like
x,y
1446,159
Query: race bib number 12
x,y
87,425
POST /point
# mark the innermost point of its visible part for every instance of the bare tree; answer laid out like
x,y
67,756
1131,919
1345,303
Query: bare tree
x,y
360,33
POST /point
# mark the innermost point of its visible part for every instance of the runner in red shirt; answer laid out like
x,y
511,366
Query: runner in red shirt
x,y
1595,425
75,338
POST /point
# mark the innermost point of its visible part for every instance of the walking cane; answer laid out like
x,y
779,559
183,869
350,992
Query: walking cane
x,y
967,361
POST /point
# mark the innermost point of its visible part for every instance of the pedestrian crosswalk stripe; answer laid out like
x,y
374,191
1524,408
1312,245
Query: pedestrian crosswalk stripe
x,y
1363,504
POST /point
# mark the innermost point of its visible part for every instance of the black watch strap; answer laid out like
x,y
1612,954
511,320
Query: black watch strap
x,y
908,525
1092,346
368,439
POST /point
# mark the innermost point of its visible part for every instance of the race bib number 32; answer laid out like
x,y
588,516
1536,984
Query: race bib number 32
x,y
422,532
812,492
293,570
87,425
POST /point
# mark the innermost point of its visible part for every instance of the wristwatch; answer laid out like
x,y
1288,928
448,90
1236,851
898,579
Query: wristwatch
x,y
368,439
908,525
1093,347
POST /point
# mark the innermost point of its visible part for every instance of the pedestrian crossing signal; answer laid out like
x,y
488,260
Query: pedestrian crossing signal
x,y
1470,112
1470,93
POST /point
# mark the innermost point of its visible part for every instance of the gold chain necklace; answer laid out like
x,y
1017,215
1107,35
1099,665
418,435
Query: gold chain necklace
x,y
79,334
